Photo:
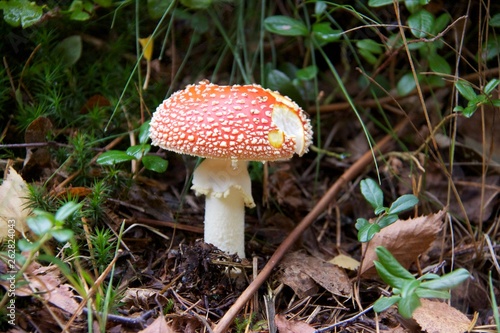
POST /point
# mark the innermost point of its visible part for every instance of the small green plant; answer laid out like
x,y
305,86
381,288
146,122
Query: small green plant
x,y
102,246
385,215
408,290
137,152
476,100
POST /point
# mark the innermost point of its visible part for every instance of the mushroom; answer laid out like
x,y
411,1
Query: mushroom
x,y
228,126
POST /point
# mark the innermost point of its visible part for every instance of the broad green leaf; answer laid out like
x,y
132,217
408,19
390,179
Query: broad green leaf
x,y
369,45
490,86
62,235
447,281
372,193
384,303
440,23
78,11
285,26
429,293
24,245
410,287
408,304
465,89
323,33
138,151
144,132
307,73
156,8
379,3
439,64
491,49
496,102
387,220
403,203
113,157
367,232
69,50
421,23
40,224
361,222
66,210
392,265
412,5
155,163
21,12
470,110
387,277
368,56
495,21
380,210
406,84
319,8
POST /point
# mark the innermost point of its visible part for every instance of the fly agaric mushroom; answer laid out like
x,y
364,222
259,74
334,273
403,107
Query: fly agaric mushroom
x,y
229,125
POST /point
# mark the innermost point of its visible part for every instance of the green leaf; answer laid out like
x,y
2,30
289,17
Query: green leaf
x,y
380,210
285,26
69,50
78,12
439,64
387,220
62,235
40,224
392,280
319,8
495,21
144,132
155,163
138,151
156,8
429,293
368,56
379,3
421,23
490,86
372,193
21,12
406,84
403,203
113,157
408,304
495,102
440,23
465,89
384,303
323,33
367,232
469,110
24,245
458,108
392,265
197,4
66,210
369,45
491,49
447,281
307,73
361,222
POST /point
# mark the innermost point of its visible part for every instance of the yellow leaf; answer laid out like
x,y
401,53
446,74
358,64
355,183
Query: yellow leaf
x,y
147,45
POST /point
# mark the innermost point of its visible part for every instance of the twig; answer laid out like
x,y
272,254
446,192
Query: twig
x,y
127,321
343,322
350,174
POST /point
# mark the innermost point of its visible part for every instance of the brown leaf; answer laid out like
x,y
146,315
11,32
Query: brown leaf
x,y
439,317
13,202
299,270
291,326
143,298
405,239
158,326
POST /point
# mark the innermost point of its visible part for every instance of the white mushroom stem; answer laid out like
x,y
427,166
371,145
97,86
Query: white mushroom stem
x,y
227,187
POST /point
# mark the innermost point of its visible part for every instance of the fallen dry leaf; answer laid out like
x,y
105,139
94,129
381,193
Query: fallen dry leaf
x,y
439,317
142,298
300,270
13,211
291,326
159,325
345,261
405,239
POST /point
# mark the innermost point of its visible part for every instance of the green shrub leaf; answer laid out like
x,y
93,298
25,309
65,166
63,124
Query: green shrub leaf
x,y
379,3
285,26
69,50
40,224
372,193
465,89
21,12
155,163
407,305
324,34
421,23
387,220
307,73
490,86
62,235
439,64
366,232
403,203
429,293
390,263
66,210
447,281
384,303
113,157
144,132
138,151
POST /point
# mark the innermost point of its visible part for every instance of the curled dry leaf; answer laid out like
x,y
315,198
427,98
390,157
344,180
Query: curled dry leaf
x,y
405,239
439,317
302,272
13,211
292,326
142,298
160,325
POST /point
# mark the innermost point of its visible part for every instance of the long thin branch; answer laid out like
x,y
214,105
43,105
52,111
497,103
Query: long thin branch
x,y
354,171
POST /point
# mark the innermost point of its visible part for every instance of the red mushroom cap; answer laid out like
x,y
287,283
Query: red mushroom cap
x,y
231,122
